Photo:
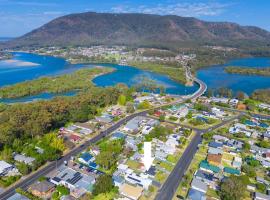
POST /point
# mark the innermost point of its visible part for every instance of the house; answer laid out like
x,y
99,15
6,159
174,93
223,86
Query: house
x,y
251,187
214,159
219,100
24,159
260,196
118,181
104,119
141,180
220,138
95,150
264,106
261,180
86,158
67,197
212,150
152,122
265,163
151,171
232,171
118,136
42,189
147,129
6,168
237,162
130,191
160,155
218,112
208,167
73,179
235,144
199,185
256,149
195,195
241,106
132,126
130,142
204,176
266,135
233,102
75,138
18,196
84,128
215,145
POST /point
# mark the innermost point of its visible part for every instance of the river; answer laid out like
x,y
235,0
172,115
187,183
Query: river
x,y
27,66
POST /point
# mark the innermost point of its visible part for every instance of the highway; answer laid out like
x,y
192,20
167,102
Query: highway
x,y
27,181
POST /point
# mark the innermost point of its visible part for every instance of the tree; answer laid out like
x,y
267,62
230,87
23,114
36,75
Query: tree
x,y
6,154
122,100
130,107
249,170
231,187
144,105
240,95
62,190
209,93
104,184
23,168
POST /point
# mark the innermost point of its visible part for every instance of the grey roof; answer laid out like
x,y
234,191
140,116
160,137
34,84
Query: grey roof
x,y
43,186
198,184
261,196
17,196
23,158
195,195
212,150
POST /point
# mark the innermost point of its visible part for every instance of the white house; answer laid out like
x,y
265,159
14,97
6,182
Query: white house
x,y
5,168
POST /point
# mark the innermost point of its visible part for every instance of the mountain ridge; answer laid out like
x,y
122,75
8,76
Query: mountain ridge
x,y
93,28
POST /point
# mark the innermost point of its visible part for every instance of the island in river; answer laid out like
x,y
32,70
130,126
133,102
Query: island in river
x,y
248,70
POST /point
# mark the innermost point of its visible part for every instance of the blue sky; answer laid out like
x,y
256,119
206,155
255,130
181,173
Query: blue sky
x,y
18,17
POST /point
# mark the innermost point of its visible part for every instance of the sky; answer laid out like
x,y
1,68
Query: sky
x,y
18,17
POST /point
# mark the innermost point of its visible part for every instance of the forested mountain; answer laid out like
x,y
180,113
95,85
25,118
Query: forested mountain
x,y
140,30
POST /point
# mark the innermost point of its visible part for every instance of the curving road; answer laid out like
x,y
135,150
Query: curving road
x,y
24,183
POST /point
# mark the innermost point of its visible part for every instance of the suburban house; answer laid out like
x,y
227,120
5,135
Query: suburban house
x,y
24,159
199,185
214,159
42,189
86,158
6,168
73,180
130,191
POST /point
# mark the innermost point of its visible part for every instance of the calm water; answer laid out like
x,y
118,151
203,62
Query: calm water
x,y
216,77
38,66
4,39
131,76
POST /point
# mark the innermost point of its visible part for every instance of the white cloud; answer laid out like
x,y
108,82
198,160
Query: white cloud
x,y
181,9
